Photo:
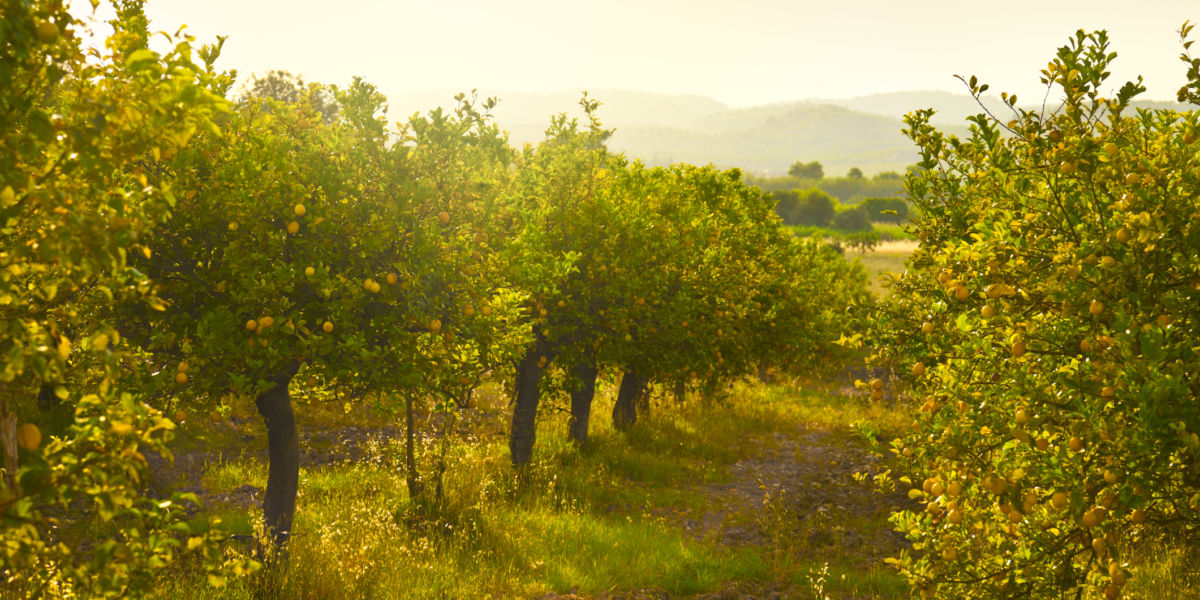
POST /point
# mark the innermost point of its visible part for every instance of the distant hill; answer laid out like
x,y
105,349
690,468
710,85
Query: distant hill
x,y
950,108
863,132
770,141
955,108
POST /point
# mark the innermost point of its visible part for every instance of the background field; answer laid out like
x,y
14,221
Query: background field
x,y
883,261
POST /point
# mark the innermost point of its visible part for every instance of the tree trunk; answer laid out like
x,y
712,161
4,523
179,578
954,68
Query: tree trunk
x,y
710,392
642,399
439,473
764,375
624,413
524,421
8,447
411,476
680,391
283,462
581,400
47,400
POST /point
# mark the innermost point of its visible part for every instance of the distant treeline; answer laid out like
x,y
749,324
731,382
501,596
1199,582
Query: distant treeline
x,y
852,188
850,204
814,207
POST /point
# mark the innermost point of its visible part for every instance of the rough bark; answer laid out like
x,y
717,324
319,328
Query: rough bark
x,y
680,391
642,399
624,413
764,375
581,400
524,421
411,477
47,400
283,462
8,447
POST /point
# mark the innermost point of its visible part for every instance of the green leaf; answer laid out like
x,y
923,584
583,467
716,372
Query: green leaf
x,y
140,58
963,322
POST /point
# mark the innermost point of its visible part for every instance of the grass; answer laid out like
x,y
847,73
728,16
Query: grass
x,y
1163,568
882,263
884,260
892,231
617,518
610,517
887,232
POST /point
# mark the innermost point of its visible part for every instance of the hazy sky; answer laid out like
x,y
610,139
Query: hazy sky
x,y
739,52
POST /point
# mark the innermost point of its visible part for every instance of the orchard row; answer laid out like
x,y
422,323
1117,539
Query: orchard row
x,y
169,245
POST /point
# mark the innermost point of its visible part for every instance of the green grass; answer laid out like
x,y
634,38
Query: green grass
x,y
230,473
882,263
1163,568
892,231
608,517
887,231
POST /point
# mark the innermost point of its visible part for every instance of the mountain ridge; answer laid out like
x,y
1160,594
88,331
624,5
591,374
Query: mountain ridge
x,y
840,133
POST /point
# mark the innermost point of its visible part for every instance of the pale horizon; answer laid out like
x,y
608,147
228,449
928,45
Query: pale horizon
x,y
741,54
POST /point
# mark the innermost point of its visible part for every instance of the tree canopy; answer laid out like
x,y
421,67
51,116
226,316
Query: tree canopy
x,y
802,170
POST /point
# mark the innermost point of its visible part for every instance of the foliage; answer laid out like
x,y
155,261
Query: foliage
x,y
847,190
806,207
862,240
1048,323
252,284
677,272
854,218
95,475
812,170
1190,92
886,210
284,87
74,202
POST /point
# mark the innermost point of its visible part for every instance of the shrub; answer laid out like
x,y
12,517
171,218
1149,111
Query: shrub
x,y
875,207
852,219
1048,323
811,207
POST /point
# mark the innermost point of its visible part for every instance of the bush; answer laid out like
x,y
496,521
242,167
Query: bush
x,y
852,219
1048,323
875,207
79,183
806,207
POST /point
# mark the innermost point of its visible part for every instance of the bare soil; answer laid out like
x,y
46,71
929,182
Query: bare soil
x,y
797,496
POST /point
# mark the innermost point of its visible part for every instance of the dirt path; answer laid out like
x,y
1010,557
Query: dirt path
x,y
796,497
801,485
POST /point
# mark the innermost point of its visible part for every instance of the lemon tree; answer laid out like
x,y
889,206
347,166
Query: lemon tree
x,y
721,290
550,215
809,298
659,274
697,270
1046,326
74,201
302,246
461,169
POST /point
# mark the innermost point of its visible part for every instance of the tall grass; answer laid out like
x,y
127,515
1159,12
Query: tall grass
x,y
601,518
